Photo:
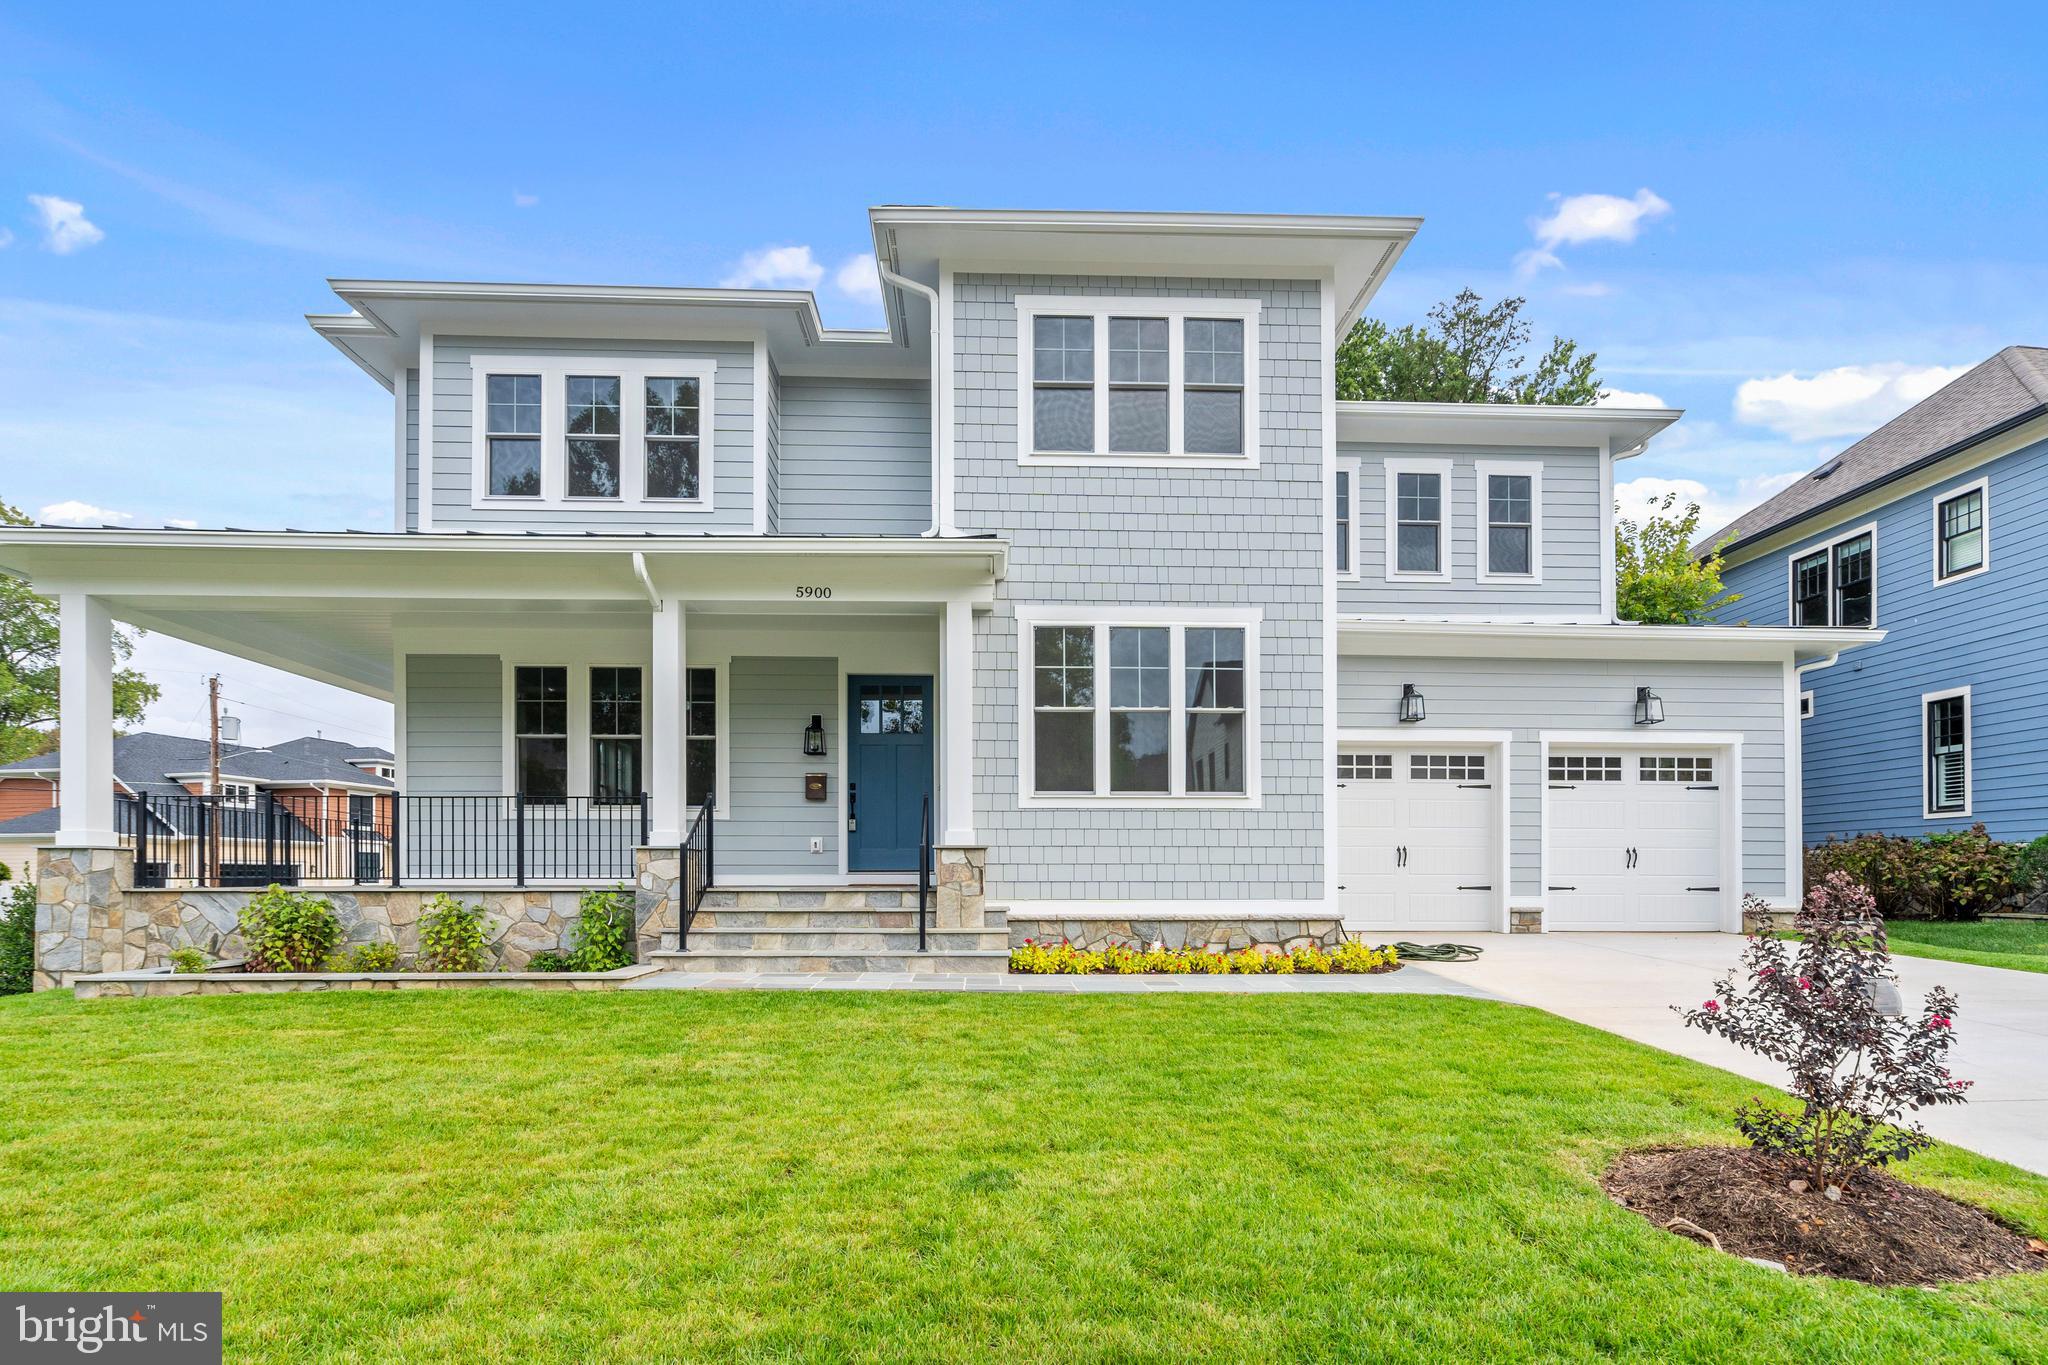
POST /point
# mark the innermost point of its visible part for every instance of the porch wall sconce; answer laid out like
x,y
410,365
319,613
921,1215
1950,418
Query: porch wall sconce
x,y
1412,709
1649,707
814,738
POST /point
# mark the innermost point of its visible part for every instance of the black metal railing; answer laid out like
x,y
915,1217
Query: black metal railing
x,y
699,856
924,869
380,839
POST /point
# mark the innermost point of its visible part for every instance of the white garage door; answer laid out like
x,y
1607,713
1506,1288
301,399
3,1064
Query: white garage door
x,y
1635,841
1416,846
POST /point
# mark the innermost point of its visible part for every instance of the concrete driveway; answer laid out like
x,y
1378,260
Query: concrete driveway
x,y
1626,984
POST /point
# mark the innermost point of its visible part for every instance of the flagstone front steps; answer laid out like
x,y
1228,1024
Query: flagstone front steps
x,y
853,929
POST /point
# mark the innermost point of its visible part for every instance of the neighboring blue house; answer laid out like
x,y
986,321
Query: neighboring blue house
x,y
1933,528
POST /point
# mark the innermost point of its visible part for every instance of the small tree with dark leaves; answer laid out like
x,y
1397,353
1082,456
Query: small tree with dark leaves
x,y
1823,1006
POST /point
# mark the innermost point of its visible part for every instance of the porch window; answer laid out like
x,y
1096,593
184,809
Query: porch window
x,y
700,742
673,416
540,701
512,434
615,709
592,413
1173,722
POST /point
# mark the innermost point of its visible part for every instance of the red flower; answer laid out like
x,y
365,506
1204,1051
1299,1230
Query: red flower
x,y
1939,1021
1712,1007
1804,984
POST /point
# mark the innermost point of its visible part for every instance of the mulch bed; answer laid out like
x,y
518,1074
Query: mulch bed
x,y
1881,1231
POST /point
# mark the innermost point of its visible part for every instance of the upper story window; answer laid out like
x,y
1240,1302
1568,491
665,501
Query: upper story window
x,y
1417,499
1137,711
236,793
1510,513
1836,584
1346,517
1962,533
1945,734
560,430
1127,381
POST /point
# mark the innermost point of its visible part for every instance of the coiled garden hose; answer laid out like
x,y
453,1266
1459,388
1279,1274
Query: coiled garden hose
x,y
1437,952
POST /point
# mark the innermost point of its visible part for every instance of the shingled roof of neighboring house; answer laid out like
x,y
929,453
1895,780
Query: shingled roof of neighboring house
x,y
2004,391
146,762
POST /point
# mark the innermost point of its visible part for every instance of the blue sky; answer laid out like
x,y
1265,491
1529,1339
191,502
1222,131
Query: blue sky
x,y
1789,224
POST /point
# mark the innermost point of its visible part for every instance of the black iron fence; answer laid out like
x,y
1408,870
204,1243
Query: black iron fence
x,y
380,839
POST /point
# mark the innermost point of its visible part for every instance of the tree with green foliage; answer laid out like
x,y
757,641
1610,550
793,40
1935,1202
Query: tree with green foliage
x,y
1658,578
28,667
1468,353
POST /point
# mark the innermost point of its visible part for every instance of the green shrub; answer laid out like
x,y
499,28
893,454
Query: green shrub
x,y
2034,866
373,957
187,961
1955,876
1311,958
18,941
604,933
452,937
548,962
289,931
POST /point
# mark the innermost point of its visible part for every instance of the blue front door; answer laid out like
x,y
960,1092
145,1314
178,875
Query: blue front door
x,y
888,770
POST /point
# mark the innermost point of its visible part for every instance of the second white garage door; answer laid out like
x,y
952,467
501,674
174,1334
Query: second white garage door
x,y
1416,839
1635,840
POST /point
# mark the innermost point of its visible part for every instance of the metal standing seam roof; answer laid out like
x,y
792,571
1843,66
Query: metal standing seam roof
x,y
2009,388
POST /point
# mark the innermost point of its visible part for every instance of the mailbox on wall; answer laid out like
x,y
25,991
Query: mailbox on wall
x,y
814,786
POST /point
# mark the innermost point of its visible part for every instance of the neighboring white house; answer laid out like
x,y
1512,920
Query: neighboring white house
x,y
1081,548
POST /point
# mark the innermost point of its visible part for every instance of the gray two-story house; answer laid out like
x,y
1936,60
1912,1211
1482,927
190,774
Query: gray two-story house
x,y
1077,573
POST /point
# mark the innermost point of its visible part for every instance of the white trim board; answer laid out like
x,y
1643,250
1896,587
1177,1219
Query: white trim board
x,y
1306,908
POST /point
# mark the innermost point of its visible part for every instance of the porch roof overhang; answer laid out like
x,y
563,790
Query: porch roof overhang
x,y
1614,640
325,605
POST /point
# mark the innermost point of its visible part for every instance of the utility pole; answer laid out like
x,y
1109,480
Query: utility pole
x,y
213,772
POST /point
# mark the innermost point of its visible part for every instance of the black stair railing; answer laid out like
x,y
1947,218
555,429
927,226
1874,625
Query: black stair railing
x,y
699,856
924,869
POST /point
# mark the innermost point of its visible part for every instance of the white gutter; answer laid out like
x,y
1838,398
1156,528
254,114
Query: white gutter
x,y
931,297
1815,665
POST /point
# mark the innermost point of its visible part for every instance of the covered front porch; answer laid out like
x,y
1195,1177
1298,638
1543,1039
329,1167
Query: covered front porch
x,y
803,705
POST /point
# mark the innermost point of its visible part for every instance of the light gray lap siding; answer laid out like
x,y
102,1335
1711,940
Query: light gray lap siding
x,y
772,406
454,738
856,457
769,834
1528,696
732,422
411,509
1574,557
1147,536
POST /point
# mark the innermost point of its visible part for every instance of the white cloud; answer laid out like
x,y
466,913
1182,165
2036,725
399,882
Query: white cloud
x,y
776,267
71,512
1533,261
1627,398
1717,507
6,237
525,201
65,227
181,523
1582,218
1591,289
857,278
1849,400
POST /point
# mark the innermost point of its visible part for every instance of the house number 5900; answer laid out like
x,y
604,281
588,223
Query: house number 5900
x,y
818,594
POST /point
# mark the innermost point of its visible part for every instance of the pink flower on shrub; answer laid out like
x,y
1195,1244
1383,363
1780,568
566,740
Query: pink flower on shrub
x,y
1768,971
1712,1006
1939,1021
1804,984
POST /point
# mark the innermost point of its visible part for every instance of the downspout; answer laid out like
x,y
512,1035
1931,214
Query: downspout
x,y
1817,664
931,296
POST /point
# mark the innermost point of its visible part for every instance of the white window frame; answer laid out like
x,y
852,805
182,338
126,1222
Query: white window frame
x,y
1351,468
633,374
1982,488
1178,620
1927,810
1483,471
1806,705
235,792
1393,469
1176,311
1829,545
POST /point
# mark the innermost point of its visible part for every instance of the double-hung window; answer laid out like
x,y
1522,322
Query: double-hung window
x,y
1346,495
1117,380
1417,500
1945,732
615,712
1510,519
1962,533
1130,710
700,736
561,430
1835,584
540,731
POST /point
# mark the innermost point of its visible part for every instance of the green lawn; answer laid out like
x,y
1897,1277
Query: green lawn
x,y
2019,944
493,1175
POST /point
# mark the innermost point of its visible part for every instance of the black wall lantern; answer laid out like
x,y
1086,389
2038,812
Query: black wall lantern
x,y
1412,708
814,738
1649,707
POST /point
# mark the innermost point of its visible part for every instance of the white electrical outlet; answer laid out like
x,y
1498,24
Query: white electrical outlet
x,y
817,844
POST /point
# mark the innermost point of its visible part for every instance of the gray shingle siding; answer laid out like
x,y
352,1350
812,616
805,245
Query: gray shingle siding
x,y
1528,696
454,731
856,457
1573,553
1167,537
733,446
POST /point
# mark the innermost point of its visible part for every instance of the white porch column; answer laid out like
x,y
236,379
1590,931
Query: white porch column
x,y
85,716
956,726
668,699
